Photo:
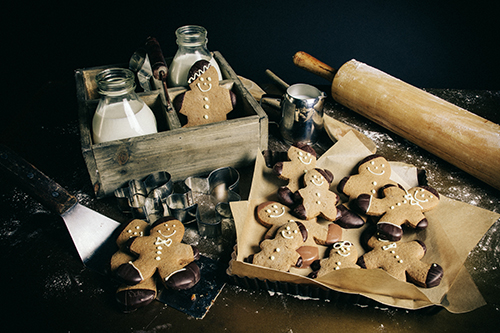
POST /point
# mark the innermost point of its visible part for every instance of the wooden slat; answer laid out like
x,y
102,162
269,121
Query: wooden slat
x,y
182,153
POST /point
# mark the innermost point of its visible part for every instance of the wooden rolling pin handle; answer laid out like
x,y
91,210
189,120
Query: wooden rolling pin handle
x,y
309,63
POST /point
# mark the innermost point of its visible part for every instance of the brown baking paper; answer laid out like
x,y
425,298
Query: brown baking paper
x,y
449,238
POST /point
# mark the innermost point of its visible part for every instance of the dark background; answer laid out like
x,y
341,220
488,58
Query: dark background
x,y
434,44
429,44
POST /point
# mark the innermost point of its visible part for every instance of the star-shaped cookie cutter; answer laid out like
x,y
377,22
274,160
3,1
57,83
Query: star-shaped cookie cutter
x,y
196,199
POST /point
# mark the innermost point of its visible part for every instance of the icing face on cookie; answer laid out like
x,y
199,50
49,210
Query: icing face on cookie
x,y
288,233
377,166
343,248
422,196
275,211
419,196
204,84
304,157
374,173
168,232
317,180
204,78
136,228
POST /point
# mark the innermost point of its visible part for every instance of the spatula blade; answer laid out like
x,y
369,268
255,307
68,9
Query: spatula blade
x,y
93,235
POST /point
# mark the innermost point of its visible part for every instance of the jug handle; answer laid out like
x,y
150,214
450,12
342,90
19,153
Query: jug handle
x,y
273,100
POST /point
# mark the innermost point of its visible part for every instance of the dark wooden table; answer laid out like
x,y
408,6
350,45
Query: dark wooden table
x,y
46,287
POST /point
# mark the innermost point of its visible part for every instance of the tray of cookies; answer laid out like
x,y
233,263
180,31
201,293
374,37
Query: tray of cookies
x,y
400,242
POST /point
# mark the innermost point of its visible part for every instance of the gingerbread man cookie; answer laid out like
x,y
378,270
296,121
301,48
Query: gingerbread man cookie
x,y
273,215
374,172
402,260
130,298
316,199
206,101
280,253
162,252
302,158
399,207
343,254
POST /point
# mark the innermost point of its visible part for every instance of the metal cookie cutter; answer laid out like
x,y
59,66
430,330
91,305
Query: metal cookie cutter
x,y
206,200
144,199
197,199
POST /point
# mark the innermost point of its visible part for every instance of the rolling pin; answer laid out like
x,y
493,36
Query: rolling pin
x,y
456,135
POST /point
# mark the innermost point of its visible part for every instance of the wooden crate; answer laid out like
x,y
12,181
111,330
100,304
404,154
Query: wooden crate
x,y
182,152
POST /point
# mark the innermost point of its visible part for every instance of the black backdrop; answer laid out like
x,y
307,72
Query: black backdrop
x,y
433,44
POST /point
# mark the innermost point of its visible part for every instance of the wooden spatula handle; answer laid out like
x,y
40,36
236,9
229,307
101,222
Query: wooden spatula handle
x,y
306,61
41,187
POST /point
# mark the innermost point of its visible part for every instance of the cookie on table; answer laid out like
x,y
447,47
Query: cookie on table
x,y
130,298
206,101
399,207
162,252
403,261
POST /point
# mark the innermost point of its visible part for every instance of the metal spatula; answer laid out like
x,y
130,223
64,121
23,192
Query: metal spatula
x,y
92,233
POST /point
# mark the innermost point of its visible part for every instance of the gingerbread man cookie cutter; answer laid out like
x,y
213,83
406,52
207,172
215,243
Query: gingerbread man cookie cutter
x,y
196,199
211,196
144,198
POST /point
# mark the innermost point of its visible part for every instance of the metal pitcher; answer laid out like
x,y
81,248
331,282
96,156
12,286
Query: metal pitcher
x,y
301,114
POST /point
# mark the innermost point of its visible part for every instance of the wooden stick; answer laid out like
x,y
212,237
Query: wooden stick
x,y
313,65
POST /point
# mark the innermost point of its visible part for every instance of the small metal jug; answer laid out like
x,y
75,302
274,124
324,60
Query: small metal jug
x,y
301,113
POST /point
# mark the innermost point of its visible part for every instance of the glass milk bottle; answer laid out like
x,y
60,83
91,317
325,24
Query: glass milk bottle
x,y
192,42
120,113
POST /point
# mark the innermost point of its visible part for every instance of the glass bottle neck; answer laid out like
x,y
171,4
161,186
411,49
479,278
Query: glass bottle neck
x,y
192,39
191,36
115,82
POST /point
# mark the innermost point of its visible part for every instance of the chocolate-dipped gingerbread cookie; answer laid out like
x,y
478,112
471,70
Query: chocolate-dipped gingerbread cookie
x,y
206,101
399,207
280,253
162,252
302,158
403,261
130,298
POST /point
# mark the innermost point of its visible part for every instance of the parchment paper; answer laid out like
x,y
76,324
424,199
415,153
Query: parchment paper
x,y
454,229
